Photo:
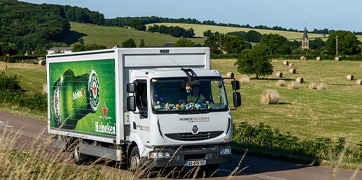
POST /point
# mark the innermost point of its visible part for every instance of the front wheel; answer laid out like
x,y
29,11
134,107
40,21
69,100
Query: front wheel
x,y
134,159
137,164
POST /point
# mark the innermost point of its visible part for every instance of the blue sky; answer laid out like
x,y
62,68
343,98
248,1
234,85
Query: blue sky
x,y
295,14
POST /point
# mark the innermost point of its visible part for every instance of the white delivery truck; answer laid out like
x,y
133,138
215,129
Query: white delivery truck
x,y
131,105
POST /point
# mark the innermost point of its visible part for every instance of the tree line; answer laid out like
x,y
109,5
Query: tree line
x,y
37,27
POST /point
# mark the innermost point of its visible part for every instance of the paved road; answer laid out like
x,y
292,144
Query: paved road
x,y
248,167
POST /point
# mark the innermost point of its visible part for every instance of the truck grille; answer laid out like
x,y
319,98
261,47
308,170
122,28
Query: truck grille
x,y
194,137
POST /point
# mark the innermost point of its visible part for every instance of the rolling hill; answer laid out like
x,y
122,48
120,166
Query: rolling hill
x,y
110,36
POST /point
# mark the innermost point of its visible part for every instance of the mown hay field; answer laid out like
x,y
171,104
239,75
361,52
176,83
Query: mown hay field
x,y
306,113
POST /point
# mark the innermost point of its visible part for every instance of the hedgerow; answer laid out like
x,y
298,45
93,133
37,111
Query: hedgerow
x,y
266,141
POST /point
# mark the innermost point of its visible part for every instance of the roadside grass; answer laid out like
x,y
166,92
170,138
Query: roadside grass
x,y
38,160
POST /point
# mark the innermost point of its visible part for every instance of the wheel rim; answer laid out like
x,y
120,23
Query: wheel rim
x,y
76,154
135,159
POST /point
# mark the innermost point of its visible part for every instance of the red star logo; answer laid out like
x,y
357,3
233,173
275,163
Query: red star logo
x,y
94,88
104,109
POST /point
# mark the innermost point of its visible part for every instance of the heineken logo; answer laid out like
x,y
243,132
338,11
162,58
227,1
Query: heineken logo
x,y
93,87
78,94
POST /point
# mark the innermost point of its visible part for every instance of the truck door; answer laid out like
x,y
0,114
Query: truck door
x,y
140,122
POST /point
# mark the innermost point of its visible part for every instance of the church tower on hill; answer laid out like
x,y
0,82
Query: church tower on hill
x,y
305,39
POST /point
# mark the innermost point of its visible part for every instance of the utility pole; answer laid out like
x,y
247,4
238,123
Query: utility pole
x,y
336,46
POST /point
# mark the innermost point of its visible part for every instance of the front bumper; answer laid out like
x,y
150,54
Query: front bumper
x,y
179,156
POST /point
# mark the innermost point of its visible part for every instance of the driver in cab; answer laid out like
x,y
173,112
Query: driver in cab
x,y
196,96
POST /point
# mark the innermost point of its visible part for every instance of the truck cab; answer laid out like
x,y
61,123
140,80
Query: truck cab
x,y
168,129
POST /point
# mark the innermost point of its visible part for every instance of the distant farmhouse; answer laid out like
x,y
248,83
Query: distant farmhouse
x,y
59,50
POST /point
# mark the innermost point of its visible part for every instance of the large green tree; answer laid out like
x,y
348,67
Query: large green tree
x,y
86,47
255,62
277,44
234,44
183,42
130,43
347,43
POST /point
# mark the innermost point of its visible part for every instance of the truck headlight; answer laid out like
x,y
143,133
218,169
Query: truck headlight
x,y
160,155
225,151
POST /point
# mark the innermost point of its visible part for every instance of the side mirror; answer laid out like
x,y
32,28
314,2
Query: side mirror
x,y
131,103
237,99
235,84
131,87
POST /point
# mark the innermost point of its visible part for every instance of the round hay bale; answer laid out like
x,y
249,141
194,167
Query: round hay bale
x,y
41,62
359,81
313,86
279,74
303,58
285,63
281,83
230,75
350,77
291,66
244,79
318,58
300,80
337,58
292,71
293,85
45,89
3,66
322,86
269,96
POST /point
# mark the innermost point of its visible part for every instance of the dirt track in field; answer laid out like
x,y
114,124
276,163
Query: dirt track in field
x,y
4,65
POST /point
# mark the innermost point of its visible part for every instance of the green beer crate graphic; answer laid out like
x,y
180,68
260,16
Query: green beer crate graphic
x,y
83,96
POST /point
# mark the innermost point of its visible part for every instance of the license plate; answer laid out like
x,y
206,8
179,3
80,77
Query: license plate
x,y
196,163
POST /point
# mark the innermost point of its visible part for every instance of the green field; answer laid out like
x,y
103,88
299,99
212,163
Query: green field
x,y
306,113
110,36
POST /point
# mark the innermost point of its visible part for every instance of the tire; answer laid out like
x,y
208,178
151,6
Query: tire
x,y
134,159
78,157
137,165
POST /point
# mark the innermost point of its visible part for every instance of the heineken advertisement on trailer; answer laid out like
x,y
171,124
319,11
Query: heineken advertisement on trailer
x,y
83,96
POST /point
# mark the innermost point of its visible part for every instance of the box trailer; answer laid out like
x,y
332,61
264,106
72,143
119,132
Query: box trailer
x,y
131,105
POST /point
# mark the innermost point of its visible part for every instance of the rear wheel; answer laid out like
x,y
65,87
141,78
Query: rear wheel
x,y
78,157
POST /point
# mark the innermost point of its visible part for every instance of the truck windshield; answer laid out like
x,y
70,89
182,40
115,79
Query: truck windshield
x,y
175,95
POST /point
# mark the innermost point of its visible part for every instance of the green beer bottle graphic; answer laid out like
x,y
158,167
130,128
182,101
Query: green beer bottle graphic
x,y
85,94
74,97
62,99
